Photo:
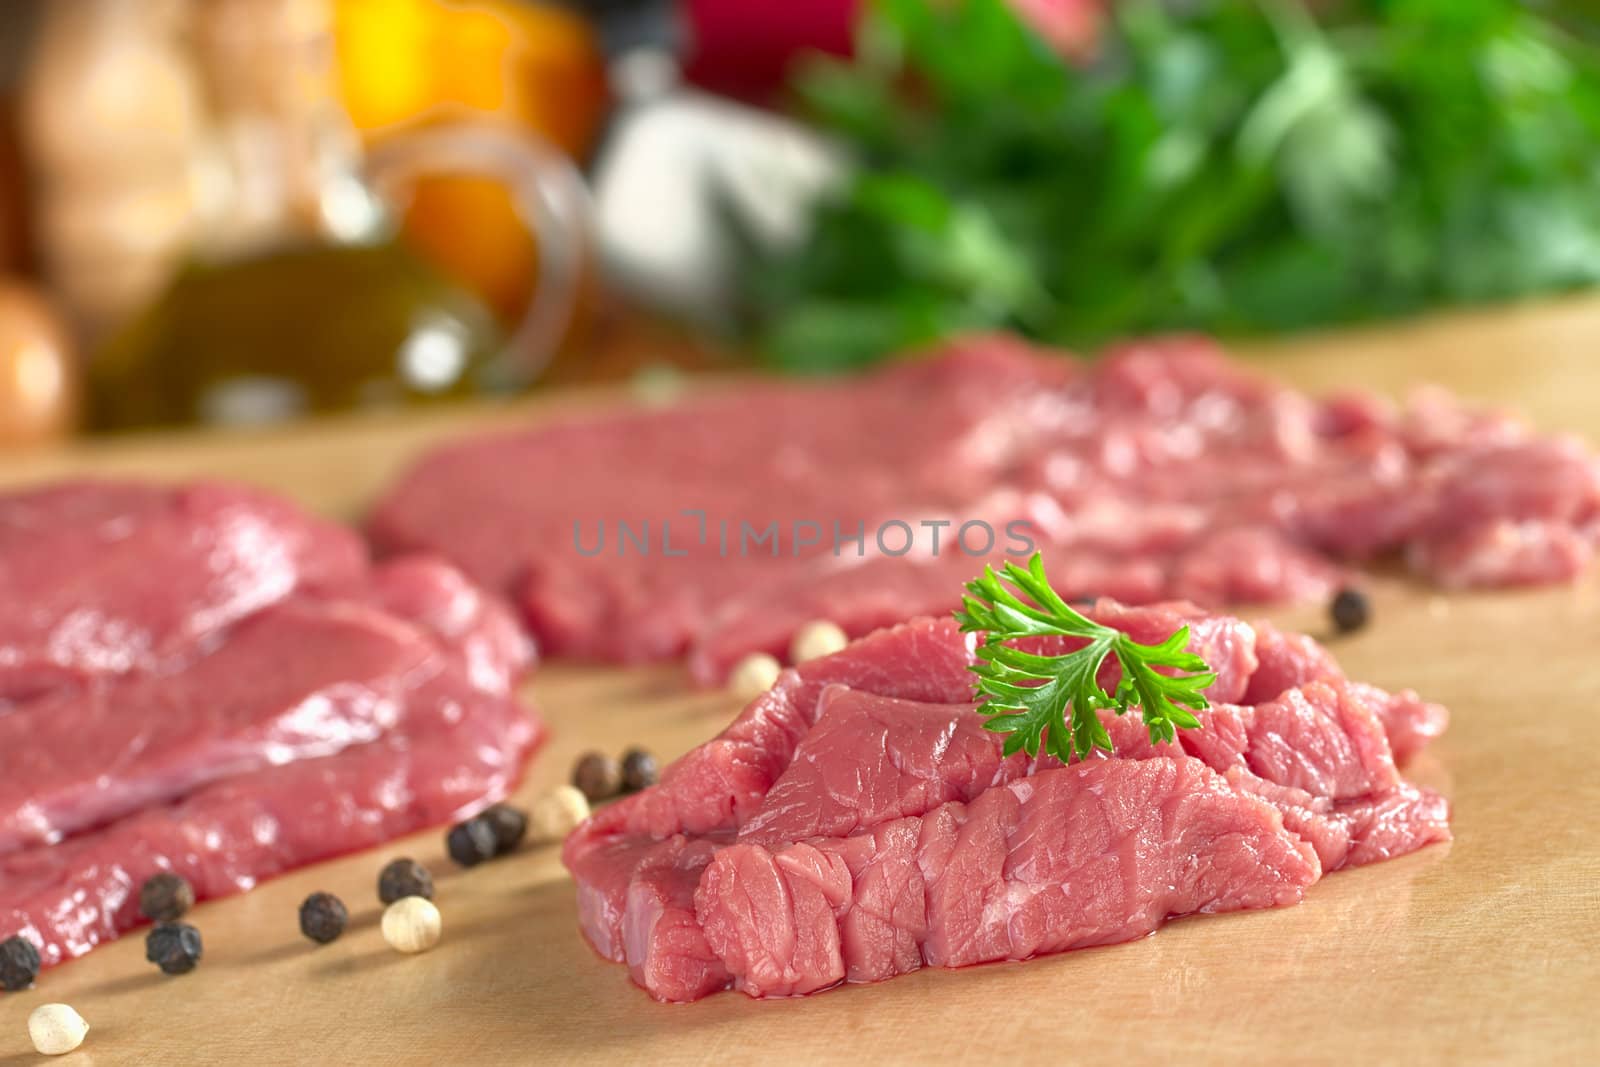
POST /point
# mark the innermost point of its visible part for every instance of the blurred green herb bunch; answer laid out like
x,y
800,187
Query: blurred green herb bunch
x,y
1229,165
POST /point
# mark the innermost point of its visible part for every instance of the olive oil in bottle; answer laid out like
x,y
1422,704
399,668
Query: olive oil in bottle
x,y
299,329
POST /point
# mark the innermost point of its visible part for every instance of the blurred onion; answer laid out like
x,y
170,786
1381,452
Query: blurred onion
x,y
38,375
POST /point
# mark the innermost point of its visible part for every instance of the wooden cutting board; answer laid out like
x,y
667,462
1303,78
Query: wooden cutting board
x,y
1484,950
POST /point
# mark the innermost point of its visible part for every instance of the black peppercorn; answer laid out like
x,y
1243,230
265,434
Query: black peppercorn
x,y
19,964
597,776
470,843
638,769
404,878
510,826
165,897
1350,610
174,947
323,917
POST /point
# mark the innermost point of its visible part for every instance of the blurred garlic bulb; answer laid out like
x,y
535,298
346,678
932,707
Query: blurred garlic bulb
x,y
112,114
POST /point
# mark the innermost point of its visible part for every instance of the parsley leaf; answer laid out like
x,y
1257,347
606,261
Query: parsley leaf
x,y
1030,696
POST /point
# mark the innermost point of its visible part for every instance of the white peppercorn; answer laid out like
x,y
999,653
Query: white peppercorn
x,y
412,924
555,814
815,640
56,1029
753,675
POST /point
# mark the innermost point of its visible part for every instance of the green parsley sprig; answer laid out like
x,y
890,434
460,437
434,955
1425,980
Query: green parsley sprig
x,y
1029,696
1235,166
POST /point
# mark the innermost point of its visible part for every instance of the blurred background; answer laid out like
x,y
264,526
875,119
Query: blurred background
x,y
238,213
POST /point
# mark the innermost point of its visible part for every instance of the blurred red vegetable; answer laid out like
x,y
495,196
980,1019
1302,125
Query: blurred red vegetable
x,y
743,48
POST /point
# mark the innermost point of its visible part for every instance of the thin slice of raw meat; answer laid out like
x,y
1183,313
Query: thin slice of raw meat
x,y
1315,751
720,783
719,525
869,759
1091,854
1287,661
104,578
821,796
306,677
299,680
457,748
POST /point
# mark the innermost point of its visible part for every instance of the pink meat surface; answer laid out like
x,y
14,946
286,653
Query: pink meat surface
x,y
857,821
1161,471
102,578
266,699
476,628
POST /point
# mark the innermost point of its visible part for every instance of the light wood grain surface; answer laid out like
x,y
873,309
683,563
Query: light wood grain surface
x,y
1486,950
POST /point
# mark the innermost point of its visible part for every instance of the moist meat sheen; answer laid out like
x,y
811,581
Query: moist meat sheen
x,y
307,677
857,822
101,578
720,526
256,696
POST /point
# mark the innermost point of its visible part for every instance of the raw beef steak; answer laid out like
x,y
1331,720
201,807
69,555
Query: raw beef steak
x,y
857,821
205,680
719,526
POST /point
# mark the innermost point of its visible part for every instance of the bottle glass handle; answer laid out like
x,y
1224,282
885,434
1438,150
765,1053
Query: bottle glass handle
x,y
550,198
